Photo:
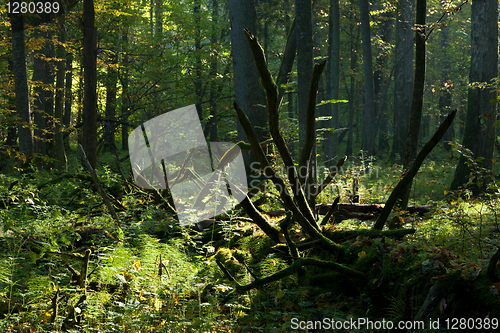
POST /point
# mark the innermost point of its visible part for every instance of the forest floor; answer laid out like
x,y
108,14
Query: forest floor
x,y
146,274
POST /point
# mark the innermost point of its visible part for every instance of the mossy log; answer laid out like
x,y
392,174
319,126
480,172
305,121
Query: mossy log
x,y
293,268
340,236
363,212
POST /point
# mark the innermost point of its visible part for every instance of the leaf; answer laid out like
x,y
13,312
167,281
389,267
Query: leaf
x,y
496,123
32,256
137,265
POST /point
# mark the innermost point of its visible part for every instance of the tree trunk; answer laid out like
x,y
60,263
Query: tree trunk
x,y
334,45
479,132
370,110
21,85
197,55
60,155
418,96
90,80
212,123
403,76
381,83
354,35
38,109
69,96
110,111
158,18
303,10
248,91
124,96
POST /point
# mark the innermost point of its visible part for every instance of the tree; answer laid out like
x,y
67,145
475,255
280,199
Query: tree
x,y
334,46
60,155
370,110
418,95
110,111
21,84
479,133
89,115
247,88
303,17
303,10
403,76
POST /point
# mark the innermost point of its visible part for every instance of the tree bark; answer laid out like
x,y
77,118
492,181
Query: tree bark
x,y
21,84
334,44
370,110
110,111
124,96
60,155
89,140
418,95
248,91
303,9
403,76
69,96
38,109
479,132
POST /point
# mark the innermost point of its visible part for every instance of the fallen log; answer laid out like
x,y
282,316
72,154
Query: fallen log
x,y
364,212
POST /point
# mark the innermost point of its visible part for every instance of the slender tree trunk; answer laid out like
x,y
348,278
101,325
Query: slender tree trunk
x,y
370,110
69,96
38,109
197,55
60,155
21,84
110,111
418,96
158,18
381,83
335,79
90,80
403,76
124,97
479,132
49,80
445,99
213,73
248,90
303,10
352,78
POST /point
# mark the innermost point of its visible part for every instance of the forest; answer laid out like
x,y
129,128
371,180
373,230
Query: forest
x,y
249,166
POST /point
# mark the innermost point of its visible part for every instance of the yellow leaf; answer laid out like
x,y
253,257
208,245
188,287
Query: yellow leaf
x,y
137,265
362,254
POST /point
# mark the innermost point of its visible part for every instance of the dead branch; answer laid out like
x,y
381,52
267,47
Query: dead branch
x,y
411,173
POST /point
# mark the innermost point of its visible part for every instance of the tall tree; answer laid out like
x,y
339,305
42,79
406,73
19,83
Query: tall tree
x,y
370,110
21,84
213,72
68,100
39,86
418,95
124,79
110,110
334,56
248,91
479,132
59,153
303,12
381,81
89,140
403,76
